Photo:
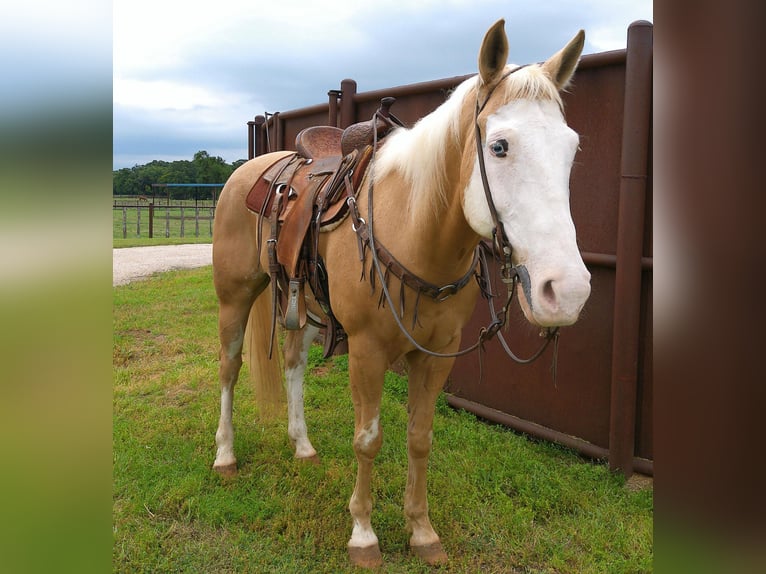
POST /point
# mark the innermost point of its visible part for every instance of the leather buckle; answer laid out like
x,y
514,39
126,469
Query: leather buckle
x,y
508,273
446,292
493,328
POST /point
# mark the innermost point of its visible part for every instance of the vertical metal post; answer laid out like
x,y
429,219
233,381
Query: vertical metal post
x,y
332,119
347,112
258,142
277,143
250,139
630,235
151,220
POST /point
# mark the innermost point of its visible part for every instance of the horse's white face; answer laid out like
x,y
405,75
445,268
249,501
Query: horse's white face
x,y
528,153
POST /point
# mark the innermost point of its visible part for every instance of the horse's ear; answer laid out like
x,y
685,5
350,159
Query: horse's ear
x,y
493,54
561,66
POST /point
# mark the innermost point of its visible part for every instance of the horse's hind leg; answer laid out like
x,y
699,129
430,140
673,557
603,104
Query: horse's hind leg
x,y
234,309
296,349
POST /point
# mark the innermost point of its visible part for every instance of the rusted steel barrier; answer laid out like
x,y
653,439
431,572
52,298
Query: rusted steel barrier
x,y
635,172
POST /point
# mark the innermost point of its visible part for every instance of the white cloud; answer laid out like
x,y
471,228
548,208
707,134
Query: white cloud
x,y
170,95
610,20
193,72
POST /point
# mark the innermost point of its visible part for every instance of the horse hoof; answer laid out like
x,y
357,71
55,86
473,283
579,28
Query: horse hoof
x,y
226,470
431,554
313,459
365,557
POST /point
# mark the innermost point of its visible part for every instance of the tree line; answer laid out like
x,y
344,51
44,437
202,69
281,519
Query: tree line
x,y
204,168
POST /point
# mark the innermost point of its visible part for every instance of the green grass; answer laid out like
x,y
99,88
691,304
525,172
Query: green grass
x,y
500,501
145,241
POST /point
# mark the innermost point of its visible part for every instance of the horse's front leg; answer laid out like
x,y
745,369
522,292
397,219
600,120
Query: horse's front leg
x,y
366,375
426,379
296,350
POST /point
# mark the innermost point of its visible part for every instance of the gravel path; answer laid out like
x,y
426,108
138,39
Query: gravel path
x,y
132,263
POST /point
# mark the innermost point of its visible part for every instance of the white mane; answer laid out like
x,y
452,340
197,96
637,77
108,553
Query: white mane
x,y
418,154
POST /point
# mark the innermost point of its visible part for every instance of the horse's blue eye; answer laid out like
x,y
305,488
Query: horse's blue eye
x,y
499,148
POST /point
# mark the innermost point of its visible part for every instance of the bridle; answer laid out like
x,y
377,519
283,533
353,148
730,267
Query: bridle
x,y
501,249
500,244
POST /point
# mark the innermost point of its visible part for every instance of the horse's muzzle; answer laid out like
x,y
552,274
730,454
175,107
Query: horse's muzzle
x,y
553,299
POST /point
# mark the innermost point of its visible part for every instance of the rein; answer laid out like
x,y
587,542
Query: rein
x,y
502,250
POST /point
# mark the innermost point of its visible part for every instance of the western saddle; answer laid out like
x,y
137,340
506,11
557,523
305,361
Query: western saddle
x,y
306,193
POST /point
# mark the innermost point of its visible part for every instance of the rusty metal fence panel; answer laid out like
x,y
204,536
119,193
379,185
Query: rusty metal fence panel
x,y
600,402
593,405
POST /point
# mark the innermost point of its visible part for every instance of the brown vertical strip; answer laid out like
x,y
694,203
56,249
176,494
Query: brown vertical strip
x,y
627,303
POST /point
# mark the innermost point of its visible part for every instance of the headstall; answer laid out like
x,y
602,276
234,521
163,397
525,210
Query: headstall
x,y
384,263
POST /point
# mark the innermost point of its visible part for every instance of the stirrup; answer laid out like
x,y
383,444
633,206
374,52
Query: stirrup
x,y
295,314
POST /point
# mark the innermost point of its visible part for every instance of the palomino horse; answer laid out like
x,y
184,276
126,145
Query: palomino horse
x,y
431,210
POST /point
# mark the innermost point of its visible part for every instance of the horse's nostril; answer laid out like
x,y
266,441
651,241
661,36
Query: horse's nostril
x,y
548,294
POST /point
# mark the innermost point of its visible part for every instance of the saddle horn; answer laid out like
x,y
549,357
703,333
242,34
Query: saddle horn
x,y
359,135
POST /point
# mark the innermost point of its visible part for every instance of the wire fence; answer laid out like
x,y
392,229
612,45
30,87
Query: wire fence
x,y
143,218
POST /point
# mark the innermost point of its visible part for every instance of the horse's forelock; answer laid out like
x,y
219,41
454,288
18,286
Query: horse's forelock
x,y
531,83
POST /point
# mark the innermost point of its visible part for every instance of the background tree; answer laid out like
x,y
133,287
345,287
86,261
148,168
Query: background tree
x,y
203,168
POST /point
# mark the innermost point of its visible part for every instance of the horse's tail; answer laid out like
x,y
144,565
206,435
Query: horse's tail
x,y
265,372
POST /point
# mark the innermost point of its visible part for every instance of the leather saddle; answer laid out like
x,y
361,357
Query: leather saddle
x,y
306,193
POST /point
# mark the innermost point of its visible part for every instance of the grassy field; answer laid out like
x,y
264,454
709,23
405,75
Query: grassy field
x,y
500,501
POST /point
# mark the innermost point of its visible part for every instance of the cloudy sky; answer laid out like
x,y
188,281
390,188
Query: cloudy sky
x,y
188,74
